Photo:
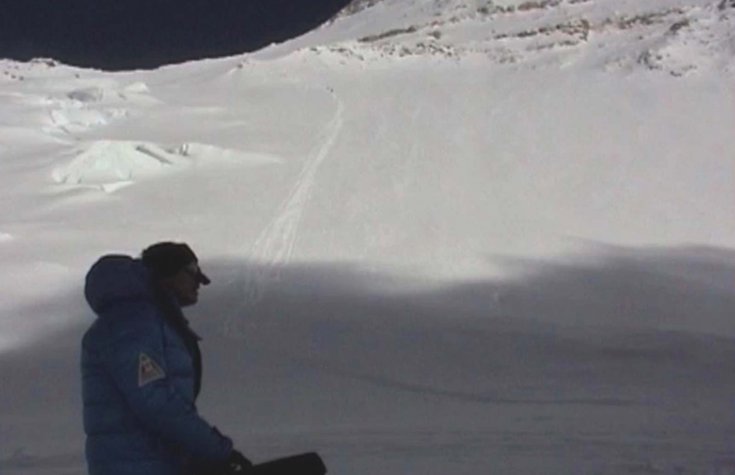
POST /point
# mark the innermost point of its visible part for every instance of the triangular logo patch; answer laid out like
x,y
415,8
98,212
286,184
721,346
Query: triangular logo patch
x,y
148,370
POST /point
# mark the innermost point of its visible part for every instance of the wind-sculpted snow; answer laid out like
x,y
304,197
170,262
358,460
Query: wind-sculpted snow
x,y
111,165
66,102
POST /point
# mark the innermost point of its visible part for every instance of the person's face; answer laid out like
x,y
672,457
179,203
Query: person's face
x,y
184,285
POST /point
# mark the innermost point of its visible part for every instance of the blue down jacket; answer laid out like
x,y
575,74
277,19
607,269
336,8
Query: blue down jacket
x,y
139,379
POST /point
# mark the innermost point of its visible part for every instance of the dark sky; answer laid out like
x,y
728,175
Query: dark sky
x,y
128,34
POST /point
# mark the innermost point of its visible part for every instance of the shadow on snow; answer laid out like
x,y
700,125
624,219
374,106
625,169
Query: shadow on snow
x,y
649,329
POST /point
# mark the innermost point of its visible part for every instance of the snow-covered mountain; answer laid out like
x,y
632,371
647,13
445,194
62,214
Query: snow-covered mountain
x,y
676,36
444,236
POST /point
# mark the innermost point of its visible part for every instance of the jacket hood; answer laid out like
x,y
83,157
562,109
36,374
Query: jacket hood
x,y
116,278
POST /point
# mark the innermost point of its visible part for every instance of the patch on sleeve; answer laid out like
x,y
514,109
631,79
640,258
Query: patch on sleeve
x,y
148,370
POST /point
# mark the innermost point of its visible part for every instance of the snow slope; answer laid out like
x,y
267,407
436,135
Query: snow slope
x,y
445,236
676,36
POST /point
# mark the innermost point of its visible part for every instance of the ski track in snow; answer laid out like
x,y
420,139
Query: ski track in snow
x,y
274,246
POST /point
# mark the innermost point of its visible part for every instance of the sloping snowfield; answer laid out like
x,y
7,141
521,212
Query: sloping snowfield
x,y
444,237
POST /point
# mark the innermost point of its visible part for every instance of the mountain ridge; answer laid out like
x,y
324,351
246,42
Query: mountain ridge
x,y
678,37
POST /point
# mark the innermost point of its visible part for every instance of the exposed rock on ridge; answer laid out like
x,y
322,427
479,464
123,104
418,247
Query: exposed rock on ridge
x,y
678,37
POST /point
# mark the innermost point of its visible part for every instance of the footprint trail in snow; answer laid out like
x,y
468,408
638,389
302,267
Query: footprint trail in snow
x,y
274,246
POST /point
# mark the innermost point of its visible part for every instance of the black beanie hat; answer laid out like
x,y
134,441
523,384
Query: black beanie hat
x,y
164,259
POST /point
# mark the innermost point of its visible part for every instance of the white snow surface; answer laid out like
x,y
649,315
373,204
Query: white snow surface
x,y
463,237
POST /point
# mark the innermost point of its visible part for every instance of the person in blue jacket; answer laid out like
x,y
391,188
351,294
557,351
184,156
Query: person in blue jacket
x,y
142,370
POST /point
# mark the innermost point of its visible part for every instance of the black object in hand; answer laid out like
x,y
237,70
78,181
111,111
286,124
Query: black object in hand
x,y
303,464
238,463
